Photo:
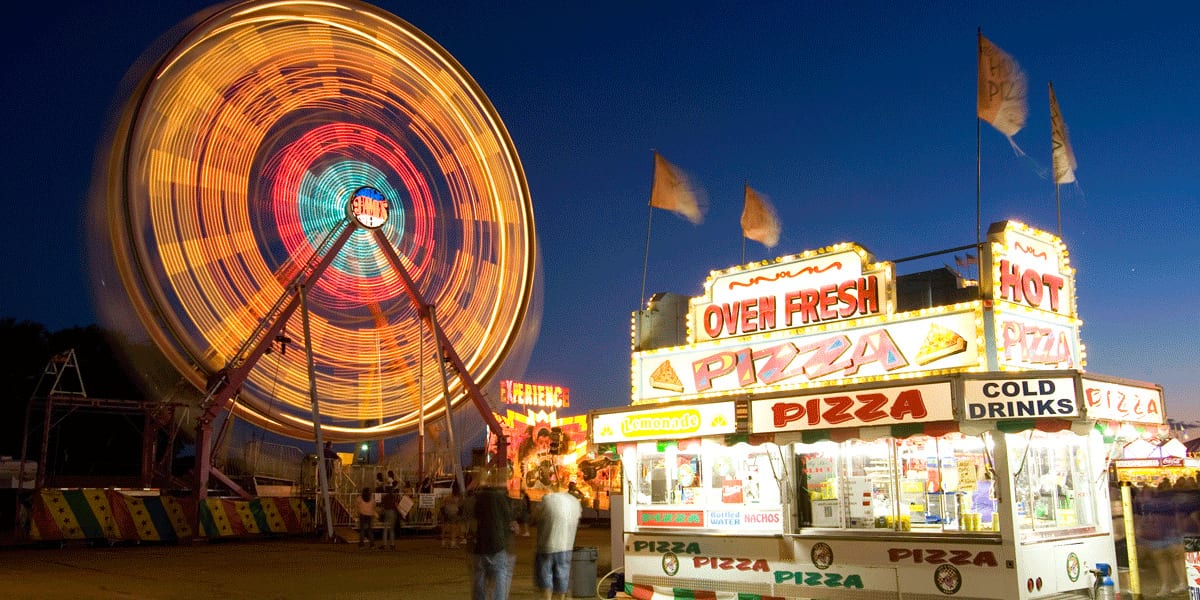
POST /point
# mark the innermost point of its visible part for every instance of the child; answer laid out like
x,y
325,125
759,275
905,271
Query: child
x,y
452,519
366,514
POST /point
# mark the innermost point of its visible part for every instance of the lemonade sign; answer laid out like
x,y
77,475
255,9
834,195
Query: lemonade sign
x,y
715,418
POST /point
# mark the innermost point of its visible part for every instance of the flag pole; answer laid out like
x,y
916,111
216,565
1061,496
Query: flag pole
x,y
978,167
646,257
1058,207
745,192
649,218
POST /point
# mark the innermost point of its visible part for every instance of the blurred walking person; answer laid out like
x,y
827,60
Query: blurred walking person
x,y
557,520
492,550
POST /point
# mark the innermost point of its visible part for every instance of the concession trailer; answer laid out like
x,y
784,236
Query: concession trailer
x,y
828,430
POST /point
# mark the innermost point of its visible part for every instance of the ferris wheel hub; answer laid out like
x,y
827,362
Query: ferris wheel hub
x,y
368,207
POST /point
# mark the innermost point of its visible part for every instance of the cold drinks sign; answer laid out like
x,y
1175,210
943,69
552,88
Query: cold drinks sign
x,y
1020,398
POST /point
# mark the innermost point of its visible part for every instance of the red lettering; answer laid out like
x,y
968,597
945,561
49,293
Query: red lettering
x,y
749,321
715,366
985,559
713,329
825,354
745,367
937,556
848,300
1010,281
1031,286
868,295
909,402
791,306
730,313
839,410
1054,284
778,359
870,410
785,412
960,557
766,313
828,296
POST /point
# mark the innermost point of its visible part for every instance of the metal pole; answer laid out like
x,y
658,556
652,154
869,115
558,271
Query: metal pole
x,y
40,480
1135,579
421,407
458,476
322,476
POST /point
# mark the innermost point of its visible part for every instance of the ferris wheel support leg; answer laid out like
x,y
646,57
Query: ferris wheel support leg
x,y
448,352
228,381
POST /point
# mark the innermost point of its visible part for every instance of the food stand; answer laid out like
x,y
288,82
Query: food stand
x,y
821,442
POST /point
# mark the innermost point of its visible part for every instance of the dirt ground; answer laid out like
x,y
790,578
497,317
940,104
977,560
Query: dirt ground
x,y
420,568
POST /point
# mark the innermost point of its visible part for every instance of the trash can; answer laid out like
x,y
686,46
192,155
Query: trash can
x,y
583,571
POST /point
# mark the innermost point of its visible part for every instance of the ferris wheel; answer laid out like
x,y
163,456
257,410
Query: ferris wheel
x,y
297,176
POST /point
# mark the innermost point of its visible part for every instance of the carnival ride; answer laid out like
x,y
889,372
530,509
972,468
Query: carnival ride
x,y
325,158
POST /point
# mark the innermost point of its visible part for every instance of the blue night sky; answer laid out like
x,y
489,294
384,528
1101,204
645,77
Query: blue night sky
x,y
856,119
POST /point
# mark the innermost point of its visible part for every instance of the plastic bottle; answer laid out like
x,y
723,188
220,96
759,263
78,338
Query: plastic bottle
x,y
1107,590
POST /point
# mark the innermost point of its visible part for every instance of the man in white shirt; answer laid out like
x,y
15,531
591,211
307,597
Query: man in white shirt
x,y
557,520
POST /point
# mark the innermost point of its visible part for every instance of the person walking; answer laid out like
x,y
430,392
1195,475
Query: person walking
x,y
492,550
557,520
389,513
452,519
366,515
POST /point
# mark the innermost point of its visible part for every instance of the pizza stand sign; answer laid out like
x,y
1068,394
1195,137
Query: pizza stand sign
x,y
823,317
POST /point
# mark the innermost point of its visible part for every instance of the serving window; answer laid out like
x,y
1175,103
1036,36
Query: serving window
x,y
1051,486
920,483
703,483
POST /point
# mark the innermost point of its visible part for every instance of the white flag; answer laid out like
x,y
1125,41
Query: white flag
x,y
759,220
1061,152
1002,89
674,192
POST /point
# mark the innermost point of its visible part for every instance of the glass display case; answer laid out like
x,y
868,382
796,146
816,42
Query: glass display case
x,y
928,483
716,486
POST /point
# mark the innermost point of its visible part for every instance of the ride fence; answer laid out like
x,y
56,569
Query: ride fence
x,y
117,516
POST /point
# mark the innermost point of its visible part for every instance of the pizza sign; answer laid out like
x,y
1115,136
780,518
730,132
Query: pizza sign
x,y
1122,402
879,406
946,341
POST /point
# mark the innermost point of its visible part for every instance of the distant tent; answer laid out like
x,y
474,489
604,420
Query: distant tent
x,y
1193,446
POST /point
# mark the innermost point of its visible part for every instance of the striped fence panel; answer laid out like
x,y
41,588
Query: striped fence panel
x,y
90,514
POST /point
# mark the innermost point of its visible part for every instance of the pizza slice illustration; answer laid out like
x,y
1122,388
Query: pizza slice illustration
x,y
665,378
939,343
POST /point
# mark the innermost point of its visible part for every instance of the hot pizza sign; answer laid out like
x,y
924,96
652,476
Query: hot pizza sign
x,y
1031,340
1030,268
835,284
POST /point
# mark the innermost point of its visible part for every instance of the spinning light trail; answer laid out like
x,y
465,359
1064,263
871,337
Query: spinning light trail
x,y
234,160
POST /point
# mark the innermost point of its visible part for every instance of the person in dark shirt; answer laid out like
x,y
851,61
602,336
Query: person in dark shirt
x,y
492,552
